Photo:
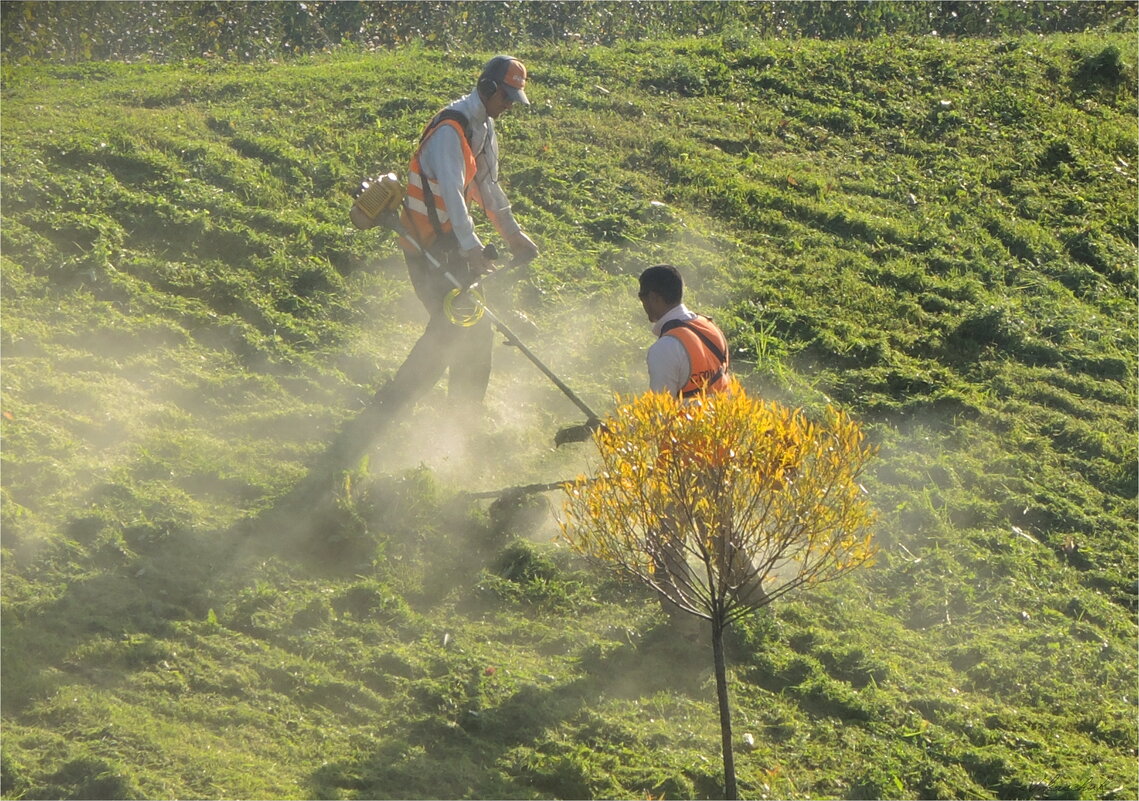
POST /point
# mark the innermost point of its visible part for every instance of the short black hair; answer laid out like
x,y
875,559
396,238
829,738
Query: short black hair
x,y
665,280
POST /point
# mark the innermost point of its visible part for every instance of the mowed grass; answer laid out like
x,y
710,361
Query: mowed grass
x,y
938,236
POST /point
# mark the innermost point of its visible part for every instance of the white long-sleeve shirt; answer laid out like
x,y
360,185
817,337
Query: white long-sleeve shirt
x,y
669,365
441,160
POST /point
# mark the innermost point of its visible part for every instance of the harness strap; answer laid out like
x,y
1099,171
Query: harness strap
x,y
712,346
712,379
445,238
445,115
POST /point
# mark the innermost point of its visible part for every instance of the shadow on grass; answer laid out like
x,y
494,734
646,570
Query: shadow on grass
x,y
518,748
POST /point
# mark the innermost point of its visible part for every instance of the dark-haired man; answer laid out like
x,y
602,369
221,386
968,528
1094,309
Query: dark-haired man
x,y
689,356
691,352
457,163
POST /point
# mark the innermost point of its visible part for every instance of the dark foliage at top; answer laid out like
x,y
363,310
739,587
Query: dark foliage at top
x,y
165,31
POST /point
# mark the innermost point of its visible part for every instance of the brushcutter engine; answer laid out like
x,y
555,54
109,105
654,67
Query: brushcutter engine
x,y
375,198
377,202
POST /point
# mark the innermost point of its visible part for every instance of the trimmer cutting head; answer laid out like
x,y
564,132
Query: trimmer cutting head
x,y
578,433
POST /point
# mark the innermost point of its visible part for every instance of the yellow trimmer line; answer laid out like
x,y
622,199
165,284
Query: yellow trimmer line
x,y
465,308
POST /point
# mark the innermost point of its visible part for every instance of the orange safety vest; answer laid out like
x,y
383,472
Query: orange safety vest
x,y
425,215
707,349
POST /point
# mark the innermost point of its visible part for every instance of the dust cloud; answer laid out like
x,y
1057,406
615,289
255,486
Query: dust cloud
x,y
593,340
592,336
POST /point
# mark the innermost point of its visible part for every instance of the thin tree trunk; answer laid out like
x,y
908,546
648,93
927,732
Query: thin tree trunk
x,y
730,791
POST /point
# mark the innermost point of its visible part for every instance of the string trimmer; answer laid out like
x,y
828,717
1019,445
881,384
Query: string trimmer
x,y
377,203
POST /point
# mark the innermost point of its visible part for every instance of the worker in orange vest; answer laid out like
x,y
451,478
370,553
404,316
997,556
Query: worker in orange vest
x,y
690,356
691,352
455,164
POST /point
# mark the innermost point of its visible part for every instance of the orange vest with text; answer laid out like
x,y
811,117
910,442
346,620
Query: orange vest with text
x,y
707,349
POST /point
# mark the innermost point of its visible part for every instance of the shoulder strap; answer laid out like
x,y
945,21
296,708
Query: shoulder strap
x,y
429,197
712,346
445,115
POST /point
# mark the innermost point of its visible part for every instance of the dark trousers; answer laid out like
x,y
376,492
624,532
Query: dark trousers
x,y
464,352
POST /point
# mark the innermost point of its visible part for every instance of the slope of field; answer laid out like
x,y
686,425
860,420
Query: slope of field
x,y
938,236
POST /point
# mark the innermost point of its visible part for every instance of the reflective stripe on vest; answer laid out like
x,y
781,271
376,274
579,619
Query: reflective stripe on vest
x,y
701,340
416,216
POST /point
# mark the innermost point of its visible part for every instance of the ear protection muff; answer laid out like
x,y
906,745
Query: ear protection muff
x,y
487,87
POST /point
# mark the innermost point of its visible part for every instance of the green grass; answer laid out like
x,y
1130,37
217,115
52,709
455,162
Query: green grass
x,y
938,236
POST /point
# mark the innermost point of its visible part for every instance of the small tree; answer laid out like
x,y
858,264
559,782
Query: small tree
x,y
723,504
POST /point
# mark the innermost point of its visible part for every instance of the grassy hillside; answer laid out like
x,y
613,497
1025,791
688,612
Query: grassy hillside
x,y
938,236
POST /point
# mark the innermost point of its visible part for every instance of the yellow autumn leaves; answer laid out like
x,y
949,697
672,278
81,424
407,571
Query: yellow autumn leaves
x,y
748,492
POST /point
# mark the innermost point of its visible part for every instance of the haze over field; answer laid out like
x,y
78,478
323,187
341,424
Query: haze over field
x,y
936,235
